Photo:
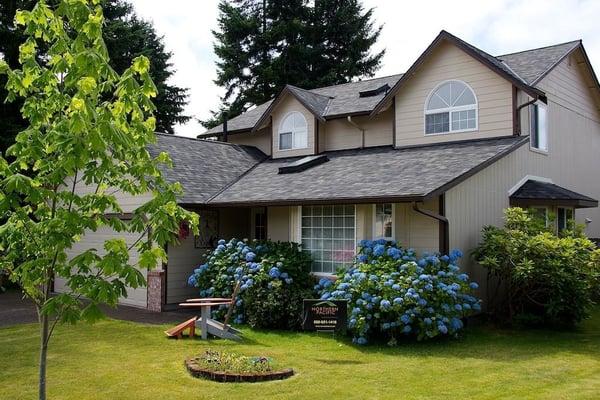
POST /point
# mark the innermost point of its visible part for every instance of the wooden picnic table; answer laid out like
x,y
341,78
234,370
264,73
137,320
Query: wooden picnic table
x,y
205,322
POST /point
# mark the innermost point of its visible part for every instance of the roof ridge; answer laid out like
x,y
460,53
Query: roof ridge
x,y
350,83
539,48
243,146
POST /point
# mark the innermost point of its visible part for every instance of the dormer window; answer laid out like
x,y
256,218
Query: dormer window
x,y
451,107
293,132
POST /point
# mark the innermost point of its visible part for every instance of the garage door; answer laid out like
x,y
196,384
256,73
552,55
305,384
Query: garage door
x,y
135,297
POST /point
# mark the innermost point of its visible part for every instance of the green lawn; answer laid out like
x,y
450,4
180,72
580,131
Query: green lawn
x,y
122,360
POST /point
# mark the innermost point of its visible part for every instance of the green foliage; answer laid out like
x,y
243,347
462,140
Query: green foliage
x,y
549,280
264,45
221,361
274,278
126,37
88,127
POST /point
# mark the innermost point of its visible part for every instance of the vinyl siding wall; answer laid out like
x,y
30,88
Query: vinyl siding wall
x,y
339,134
184,257
494,96
572,162
260,139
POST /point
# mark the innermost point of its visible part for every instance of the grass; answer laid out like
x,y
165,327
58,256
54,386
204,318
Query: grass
x,y
123,360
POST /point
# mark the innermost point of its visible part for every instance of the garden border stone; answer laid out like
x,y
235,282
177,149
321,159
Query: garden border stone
x,y
196,371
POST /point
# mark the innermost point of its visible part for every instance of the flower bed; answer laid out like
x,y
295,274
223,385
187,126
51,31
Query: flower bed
x,y
230,367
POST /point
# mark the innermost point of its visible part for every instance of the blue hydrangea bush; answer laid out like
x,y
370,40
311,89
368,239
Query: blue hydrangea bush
x,y
393,294
274,278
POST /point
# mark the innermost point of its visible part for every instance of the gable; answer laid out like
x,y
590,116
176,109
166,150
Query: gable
x,y
284,107
448,62
571,83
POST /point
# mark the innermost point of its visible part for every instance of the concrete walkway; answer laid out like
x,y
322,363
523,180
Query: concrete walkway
x,y
14,309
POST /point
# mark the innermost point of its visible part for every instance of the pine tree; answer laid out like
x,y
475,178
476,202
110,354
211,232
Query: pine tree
x,y
126,37
264,45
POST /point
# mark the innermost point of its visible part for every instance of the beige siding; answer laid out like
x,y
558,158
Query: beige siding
x,y
127,201
417,231
135,297
569,83
287,105
278,223
183,259
260,139
572,162
494,96
339,134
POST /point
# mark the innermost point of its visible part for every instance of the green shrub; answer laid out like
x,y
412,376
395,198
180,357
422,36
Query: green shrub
x,y
548,280
274,277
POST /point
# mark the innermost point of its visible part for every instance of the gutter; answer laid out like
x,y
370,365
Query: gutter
x,y
361,129
520,107
444,224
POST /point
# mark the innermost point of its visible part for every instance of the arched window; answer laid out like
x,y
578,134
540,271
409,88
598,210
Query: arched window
x,y
451,107
293,132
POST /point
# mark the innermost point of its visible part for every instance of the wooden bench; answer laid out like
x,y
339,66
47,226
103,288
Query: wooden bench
x,y
177,331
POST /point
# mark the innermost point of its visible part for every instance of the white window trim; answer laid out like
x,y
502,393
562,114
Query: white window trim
x,y
299,231
531,147
449,110
279,132
374,234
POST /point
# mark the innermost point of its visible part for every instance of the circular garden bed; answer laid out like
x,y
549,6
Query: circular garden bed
x,y
228,367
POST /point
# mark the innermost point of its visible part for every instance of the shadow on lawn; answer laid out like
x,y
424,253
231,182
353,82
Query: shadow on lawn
x,y
490,343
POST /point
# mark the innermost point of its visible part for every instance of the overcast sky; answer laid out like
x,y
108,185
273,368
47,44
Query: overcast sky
x,y
496,26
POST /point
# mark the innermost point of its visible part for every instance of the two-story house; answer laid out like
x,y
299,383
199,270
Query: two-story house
x,y
426,158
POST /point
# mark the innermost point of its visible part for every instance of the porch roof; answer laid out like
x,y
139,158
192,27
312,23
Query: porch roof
x,y
367,175
538,193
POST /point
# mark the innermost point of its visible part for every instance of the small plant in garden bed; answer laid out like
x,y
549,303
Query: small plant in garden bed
x,y
393,294
220,361
230,367
274,277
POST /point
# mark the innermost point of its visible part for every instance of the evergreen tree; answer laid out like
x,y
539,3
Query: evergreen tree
x,y
126,37
264,45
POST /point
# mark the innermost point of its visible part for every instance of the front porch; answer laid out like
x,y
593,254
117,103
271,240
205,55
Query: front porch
x,y
330,232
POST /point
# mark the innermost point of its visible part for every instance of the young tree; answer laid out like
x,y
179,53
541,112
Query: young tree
x,y
126,37
264,45
88,127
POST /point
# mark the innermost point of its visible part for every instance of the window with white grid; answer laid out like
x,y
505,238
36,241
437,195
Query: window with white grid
x,y
328,234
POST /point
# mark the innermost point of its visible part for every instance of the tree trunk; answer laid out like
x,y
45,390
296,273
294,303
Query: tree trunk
x,y
43,355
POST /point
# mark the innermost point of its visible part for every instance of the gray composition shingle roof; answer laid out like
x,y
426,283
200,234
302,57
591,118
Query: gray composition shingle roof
x,y
204,167
526,66
243,121
530,65
367,174
328,101
537,190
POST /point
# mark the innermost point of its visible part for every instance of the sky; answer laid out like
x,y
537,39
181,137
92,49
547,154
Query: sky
x,y
495,26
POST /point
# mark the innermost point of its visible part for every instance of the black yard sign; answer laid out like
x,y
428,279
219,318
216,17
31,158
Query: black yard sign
x,y
325,315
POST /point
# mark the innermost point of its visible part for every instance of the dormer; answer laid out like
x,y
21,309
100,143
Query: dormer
x,y
294,117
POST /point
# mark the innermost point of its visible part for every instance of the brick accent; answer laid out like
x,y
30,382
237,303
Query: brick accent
x,y
156,290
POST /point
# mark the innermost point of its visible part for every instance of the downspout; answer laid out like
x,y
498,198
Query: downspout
x,y
361,129
444,229
519,108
